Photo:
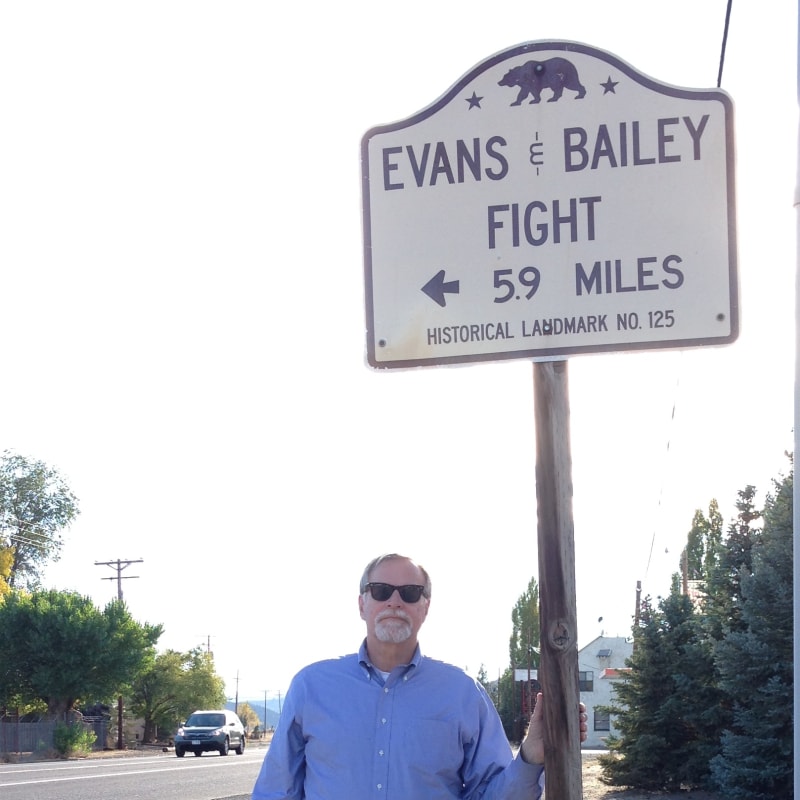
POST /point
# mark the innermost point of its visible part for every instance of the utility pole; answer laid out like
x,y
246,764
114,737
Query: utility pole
x,y
120,565
685,571
796,485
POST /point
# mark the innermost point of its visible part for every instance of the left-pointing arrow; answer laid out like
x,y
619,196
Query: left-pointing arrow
x,y
436,287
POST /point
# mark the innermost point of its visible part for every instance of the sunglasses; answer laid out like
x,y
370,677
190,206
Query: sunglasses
x,y
410,593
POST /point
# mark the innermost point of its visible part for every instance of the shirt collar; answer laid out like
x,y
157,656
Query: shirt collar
x,y
368,666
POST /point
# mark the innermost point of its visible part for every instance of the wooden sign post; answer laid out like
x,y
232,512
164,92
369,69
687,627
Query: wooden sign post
x,y
558,668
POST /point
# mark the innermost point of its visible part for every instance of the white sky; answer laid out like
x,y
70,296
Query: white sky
x,y
183,319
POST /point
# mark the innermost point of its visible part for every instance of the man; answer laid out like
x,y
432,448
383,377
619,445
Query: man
x,y
391,724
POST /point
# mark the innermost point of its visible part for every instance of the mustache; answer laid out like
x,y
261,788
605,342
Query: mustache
x,y
397,613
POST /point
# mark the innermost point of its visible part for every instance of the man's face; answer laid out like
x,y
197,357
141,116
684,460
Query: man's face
x,y
393,620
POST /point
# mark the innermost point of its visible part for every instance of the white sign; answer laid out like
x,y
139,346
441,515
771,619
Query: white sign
x,y
554,201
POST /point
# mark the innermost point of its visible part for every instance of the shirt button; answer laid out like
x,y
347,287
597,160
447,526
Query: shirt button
x,y
380,786
380,752
386,690
383,721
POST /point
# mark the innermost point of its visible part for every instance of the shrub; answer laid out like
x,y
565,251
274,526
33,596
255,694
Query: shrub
x,y
73,739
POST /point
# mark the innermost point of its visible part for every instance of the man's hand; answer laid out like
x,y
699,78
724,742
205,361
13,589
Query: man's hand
x,y
533,744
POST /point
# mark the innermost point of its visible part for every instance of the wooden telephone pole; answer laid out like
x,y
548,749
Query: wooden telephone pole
x,y
120,565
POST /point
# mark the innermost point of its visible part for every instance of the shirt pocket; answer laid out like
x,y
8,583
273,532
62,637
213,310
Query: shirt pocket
x,y
433,747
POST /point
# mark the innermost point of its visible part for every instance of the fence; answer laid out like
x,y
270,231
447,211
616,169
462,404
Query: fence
x,y
31,737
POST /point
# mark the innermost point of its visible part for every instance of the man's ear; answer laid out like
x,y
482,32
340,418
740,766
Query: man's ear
x,y
361,606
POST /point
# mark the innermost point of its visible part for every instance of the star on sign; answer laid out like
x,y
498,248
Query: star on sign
x,y
474,101
609,85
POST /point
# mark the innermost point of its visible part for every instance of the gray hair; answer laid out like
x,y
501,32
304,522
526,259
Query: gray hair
x,y
426,592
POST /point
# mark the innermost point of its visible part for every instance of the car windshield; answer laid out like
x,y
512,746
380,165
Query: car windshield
x,y
205,721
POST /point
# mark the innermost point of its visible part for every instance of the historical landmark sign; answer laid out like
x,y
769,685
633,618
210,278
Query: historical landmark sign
x,y
554,201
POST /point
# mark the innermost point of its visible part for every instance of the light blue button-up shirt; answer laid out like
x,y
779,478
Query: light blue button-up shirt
x,y
429,732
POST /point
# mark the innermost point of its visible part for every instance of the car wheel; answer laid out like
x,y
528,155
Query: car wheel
x,y
198,752
180,752
240,749
225,747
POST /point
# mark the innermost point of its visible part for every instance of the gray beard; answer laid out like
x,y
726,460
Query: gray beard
x,y
393,630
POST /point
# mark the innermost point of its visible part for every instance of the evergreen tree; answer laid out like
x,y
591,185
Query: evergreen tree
x,y
755,663
508,705
667,707
724,561
523,646
523,653
723,594
703,543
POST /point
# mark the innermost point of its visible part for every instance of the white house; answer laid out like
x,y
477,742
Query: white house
x,y
599,664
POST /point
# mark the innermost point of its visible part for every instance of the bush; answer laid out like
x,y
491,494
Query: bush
x,y
73,739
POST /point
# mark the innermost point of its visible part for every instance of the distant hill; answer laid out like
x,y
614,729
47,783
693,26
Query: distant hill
x,y
258,706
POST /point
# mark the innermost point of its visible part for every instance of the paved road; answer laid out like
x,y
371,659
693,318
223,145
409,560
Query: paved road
x,y
134,777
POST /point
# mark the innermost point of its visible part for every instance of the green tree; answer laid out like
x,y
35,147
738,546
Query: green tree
x,y
523,646
508,704
172,687
723,591
754,659
495,690
6,561
523,652
248,716
58,647
703,543
667,707
35,506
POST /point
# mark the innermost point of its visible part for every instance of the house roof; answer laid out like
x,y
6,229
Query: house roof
x,y
611,673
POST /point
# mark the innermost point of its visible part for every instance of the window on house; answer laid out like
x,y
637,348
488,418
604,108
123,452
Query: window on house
x,y
604,653
586,681
602,720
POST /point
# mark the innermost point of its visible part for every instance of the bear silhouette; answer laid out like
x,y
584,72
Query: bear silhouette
x,y
556,74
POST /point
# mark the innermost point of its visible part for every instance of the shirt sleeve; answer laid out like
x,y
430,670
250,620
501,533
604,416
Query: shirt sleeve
x,y
519,781
282,774
490,771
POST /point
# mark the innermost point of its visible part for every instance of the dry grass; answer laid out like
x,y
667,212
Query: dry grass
x,y
595,789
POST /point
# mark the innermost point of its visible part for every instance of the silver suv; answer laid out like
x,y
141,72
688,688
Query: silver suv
x,y
210,730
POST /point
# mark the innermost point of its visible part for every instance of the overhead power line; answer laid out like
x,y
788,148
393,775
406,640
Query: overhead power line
x,y
724,43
